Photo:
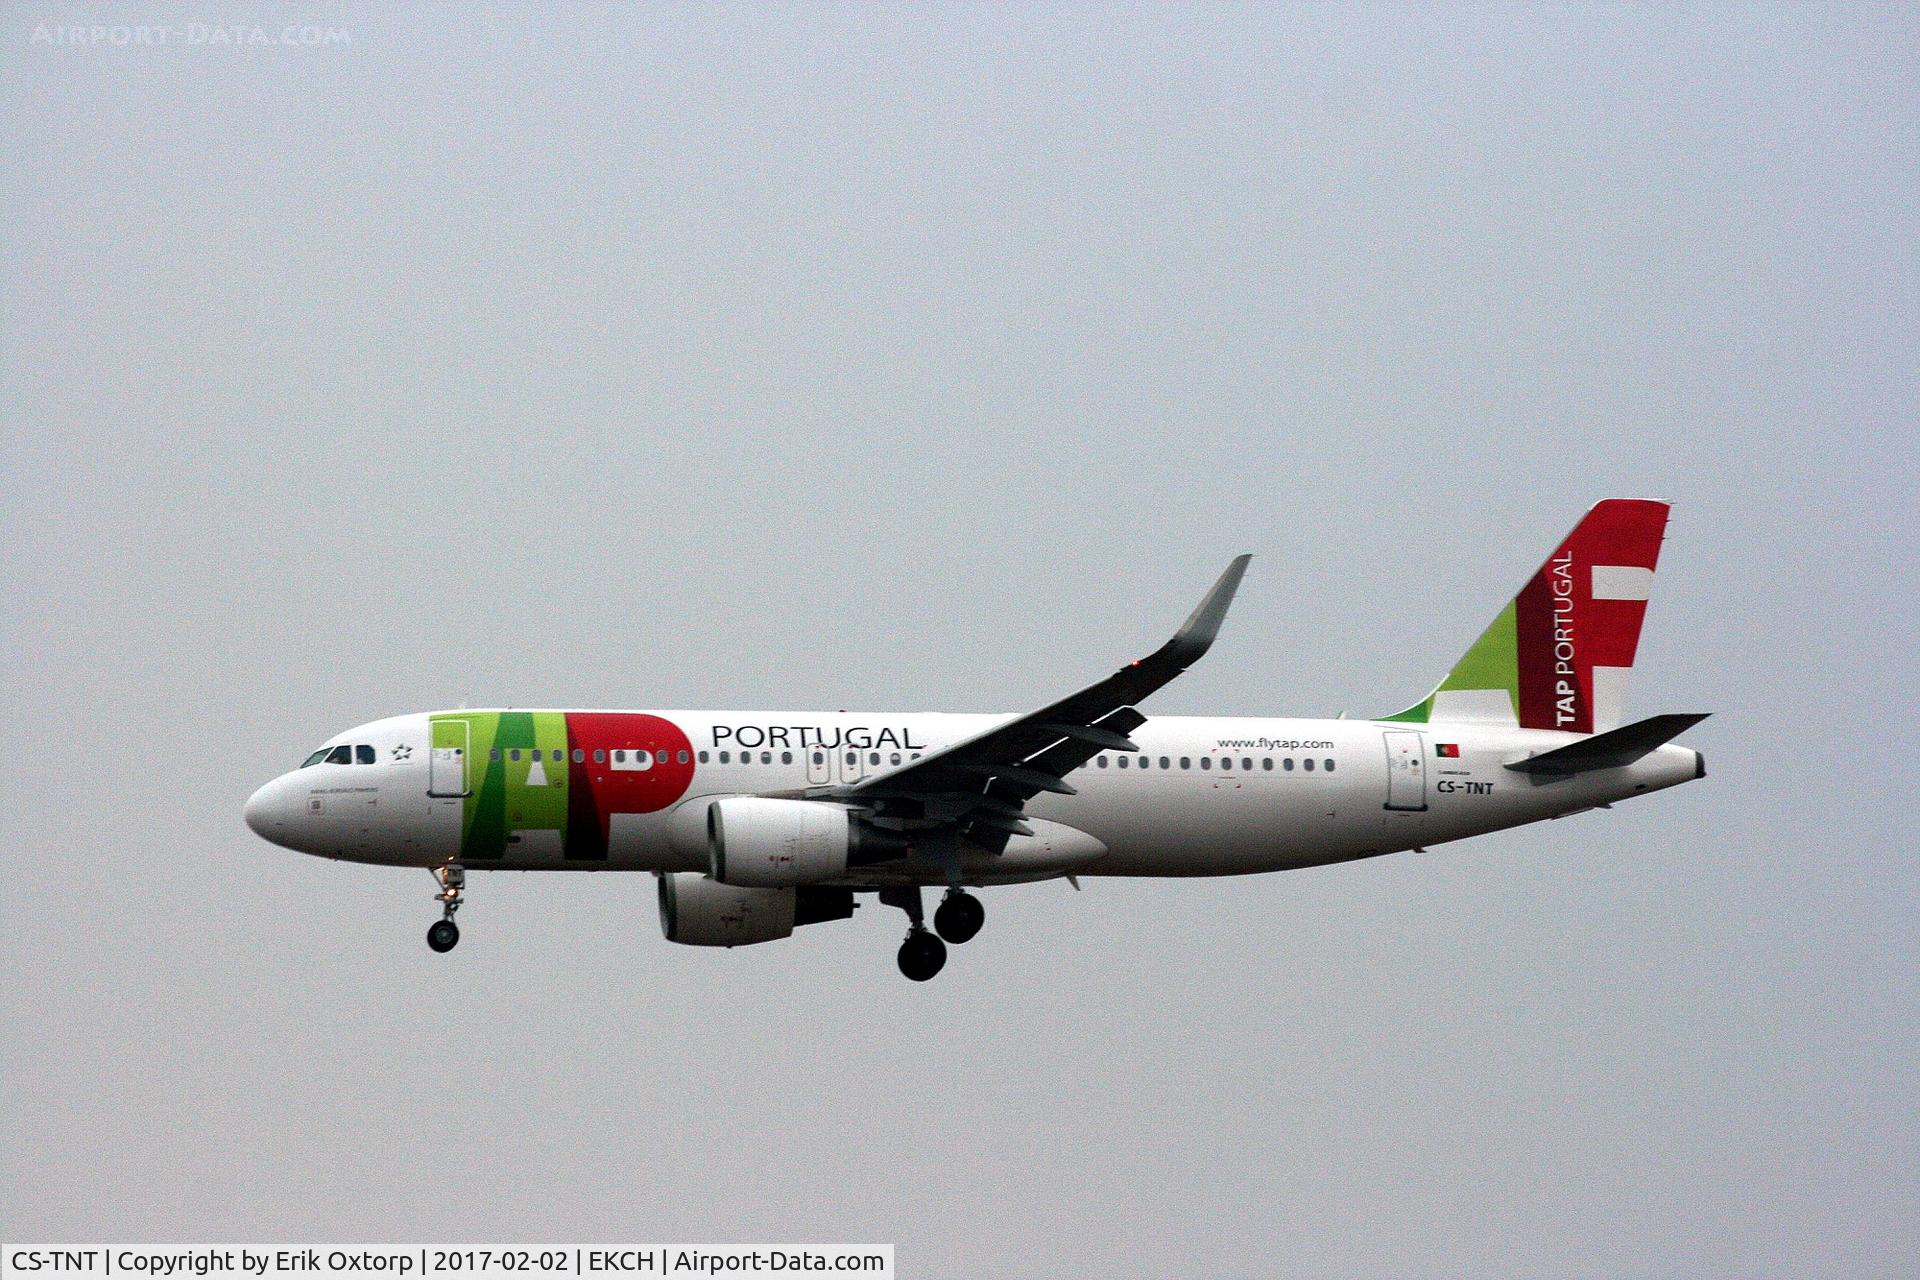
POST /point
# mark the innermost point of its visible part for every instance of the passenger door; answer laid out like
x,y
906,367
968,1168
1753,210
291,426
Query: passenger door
x,y
447,761
1406,770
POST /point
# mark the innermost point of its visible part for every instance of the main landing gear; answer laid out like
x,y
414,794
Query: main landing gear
x,y
959,916
923,954
956,920
453,881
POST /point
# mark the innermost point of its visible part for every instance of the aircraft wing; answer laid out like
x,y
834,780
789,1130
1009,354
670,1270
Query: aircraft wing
x,y
981,785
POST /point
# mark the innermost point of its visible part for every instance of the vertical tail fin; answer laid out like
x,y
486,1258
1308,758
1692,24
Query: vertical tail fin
x,y
1557,656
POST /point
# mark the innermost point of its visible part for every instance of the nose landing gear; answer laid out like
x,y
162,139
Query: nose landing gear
x,y
453,881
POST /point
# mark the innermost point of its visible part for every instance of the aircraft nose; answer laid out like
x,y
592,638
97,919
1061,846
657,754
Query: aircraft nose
x,y
263,812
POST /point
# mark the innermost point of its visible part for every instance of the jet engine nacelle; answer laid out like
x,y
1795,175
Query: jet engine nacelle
x,y
698,911
759,843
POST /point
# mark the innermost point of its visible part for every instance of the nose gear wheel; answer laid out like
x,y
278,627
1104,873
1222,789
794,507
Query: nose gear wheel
x,y
445,934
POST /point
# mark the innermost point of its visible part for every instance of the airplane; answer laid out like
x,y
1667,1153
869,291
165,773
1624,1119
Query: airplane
x,y
756,823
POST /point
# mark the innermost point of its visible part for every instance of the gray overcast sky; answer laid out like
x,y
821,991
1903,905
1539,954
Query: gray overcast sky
x,y
845,357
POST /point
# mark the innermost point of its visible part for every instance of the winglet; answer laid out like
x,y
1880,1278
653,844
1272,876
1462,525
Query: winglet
x,y
1196,634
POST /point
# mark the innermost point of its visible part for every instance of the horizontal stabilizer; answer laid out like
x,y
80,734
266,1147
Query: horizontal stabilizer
x,y
1610,750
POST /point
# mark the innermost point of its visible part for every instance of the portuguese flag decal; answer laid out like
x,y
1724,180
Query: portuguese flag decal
x,y
1447,750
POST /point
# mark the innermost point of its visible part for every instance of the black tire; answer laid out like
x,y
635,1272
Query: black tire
x,y
922,955
959,917
443,935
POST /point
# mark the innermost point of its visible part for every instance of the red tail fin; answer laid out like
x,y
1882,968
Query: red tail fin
x,y
1557,657
1578,621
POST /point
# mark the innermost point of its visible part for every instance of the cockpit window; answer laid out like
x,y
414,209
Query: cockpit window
x,y
315,758
363,754
342,754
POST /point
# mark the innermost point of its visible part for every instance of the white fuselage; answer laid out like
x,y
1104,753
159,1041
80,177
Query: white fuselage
x,y
1203,796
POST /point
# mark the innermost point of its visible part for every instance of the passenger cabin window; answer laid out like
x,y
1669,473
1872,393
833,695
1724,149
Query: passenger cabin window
x,y
680,757
1186,762
363,753
599,755
1287,764
1307,765
340,755
1329,764
1226,762
1266,762
579,756
786,757
1206,762
1121,761
703,757
726,757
